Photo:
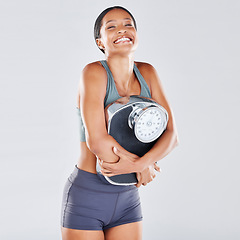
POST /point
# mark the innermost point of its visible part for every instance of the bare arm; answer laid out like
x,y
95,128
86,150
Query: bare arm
x,y
165,143
93,84
169,138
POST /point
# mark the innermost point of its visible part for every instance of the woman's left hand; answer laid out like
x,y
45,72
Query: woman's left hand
x,y
127,163
147,175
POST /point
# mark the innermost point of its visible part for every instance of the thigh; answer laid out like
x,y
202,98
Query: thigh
x,y
129,231
74,234
85,209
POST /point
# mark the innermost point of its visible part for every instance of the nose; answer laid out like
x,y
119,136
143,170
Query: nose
x,y
121,30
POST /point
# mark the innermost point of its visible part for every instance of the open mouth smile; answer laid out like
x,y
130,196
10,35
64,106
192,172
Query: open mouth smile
x,y
123,40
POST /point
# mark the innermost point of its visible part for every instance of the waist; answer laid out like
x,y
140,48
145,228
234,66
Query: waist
x,y
86,160
95,182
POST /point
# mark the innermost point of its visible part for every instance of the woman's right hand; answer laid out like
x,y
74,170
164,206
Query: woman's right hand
x,y
127,163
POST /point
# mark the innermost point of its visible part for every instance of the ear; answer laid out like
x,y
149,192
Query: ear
x,y
100,44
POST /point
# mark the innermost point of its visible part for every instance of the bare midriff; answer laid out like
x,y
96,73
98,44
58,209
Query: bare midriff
x,y
86,160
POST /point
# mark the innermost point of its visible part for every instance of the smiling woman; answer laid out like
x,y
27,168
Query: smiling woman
x,y
128,20
117,21
92,208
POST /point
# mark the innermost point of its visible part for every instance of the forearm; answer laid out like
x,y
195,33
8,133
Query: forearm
x,y
161,148
127,164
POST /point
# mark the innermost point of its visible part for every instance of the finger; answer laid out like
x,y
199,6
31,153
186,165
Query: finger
x,y
116,151
121,154
152,177
108,166
103,171
150,180
139,178
99,161
157,168
110,171
139,183
107,174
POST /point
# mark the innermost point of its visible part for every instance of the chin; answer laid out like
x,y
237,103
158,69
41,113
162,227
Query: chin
x,y
124,53
126,49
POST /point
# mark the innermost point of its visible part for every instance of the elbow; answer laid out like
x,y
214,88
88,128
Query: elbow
x,y
95,143
176,140
172,131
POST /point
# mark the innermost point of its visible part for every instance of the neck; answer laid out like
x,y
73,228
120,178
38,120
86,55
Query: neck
x,y
122,69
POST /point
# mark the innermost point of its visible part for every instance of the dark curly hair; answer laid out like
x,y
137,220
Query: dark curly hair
x,y
98,22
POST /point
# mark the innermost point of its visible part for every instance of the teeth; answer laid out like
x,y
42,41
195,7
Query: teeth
x,y
122,39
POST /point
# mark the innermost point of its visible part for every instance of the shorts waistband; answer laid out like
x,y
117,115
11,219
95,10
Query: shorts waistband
x,y
95,182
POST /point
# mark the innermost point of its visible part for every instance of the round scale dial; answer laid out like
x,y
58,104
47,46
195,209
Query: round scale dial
x,y
149,124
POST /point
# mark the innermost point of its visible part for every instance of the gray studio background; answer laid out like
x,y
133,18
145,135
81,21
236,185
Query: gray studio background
x,y
194,45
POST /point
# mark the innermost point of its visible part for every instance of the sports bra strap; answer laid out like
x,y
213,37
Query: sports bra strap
x,y
112,93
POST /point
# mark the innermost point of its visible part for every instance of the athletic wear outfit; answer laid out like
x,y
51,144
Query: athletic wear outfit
x,y
90,202
112,93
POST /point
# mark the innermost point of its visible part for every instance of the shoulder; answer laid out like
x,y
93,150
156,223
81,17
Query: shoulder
x,y
93,73
144,66
146,69
148,72
93,78
94,68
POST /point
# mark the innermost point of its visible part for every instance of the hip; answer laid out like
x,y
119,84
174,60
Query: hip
x,y
95,182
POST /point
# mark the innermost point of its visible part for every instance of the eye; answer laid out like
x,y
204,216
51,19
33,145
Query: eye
x,y
129,24
110,27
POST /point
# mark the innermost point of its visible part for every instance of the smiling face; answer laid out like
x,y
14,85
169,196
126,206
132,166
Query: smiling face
x,y
118,34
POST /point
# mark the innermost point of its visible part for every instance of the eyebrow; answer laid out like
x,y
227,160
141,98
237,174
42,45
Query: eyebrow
x,y
115,20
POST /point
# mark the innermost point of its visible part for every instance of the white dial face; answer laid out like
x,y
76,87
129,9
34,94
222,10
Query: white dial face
x,y
149,125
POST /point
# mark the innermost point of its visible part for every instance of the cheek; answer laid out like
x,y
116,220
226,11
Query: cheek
x,y
136,38
106,37
103,35
133,32
109,39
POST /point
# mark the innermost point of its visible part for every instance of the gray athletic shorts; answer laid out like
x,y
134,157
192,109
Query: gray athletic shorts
x,y
91,203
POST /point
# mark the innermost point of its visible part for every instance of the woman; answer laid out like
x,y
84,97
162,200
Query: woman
x,y
93,208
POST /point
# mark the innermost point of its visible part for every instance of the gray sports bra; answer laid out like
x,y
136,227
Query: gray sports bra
x,y
112,94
